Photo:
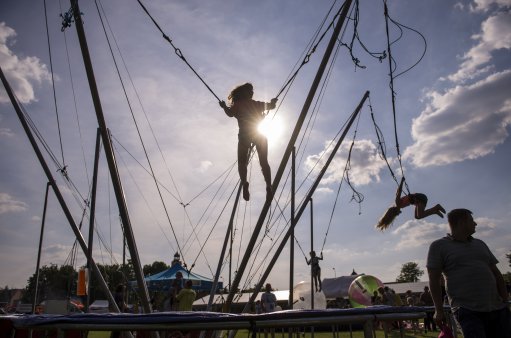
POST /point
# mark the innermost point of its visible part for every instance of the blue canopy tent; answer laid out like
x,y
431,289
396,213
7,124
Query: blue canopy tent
x,y
162,280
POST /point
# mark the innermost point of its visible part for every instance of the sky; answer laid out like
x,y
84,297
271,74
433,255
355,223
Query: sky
x,y
452,109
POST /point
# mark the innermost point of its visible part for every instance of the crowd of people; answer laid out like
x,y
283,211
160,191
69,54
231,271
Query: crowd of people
x,y
462,273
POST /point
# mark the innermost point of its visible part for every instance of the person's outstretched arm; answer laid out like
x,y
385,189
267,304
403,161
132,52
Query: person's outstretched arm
x,y
226,109
271,105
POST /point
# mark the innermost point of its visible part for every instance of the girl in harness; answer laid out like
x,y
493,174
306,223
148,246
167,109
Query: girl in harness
x,y
249,114
418,200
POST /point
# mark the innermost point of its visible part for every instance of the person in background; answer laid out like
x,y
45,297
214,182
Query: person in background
x,y
186,297
120,290
426,300
475,287
268,300
315,269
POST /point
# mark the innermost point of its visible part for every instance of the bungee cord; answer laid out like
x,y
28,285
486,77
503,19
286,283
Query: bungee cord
x,y
285,87
53,85
75,105
128,73
178,51
139,135
392,76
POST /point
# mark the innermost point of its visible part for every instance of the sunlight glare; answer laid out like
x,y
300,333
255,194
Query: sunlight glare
x,y
272,128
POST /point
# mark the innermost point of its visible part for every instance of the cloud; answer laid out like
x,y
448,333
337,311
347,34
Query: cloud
x,y
485,5
21,72
8,204
467,120
418,233
365,163
495,34
6,131
204,166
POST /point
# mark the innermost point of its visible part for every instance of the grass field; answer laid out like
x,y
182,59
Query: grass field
x,y
354,334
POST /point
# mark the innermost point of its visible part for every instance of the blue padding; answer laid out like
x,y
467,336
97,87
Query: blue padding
x,y
191,317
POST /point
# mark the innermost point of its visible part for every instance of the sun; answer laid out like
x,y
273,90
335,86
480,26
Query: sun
x,y
272,128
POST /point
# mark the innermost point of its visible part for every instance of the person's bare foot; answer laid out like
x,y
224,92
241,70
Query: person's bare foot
x,y
439,210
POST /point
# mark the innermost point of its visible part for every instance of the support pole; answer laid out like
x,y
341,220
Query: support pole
x,y
312,249
112,166
56,190
304,205
228,236
287,153
40,247
93,213
292,239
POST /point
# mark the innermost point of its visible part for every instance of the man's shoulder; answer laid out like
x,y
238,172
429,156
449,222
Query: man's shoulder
x,y
441,241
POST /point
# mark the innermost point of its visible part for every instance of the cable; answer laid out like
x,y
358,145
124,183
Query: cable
x,y
53,83
178,51
139,135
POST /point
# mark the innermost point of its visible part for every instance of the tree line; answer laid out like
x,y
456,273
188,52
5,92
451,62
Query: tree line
x,y
61,282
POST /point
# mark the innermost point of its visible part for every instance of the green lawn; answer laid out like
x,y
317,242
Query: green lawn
x,y
355,334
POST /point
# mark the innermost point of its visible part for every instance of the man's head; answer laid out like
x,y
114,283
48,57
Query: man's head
x,y
188,284
461,222
268,287
426,289
179,275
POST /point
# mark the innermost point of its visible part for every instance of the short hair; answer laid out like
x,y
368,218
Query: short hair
x,y
457,215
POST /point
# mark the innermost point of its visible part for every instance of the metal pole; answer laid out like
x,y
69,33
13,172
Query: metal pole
x,y
56,190
304,205
312,249
40,246
287,153
112,166
292,238
93,213
228,235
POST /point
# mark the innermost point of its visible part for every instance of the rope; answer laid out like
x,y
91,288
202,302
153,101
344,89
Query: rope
x,y
148,205
142,107
312,50
178,51
138,133
392,76
378,55
53,82
75,104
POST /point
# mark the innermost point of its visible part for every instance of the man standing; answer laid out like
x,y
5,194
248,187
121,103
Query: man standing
x,y
475,287
186,297
268,300
426,300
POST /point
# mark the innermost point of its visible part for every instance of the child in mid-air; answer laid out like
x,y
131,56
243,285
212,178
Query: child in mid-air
x,y
417,199
316,269
249,114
